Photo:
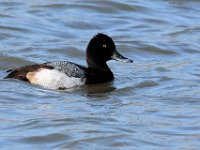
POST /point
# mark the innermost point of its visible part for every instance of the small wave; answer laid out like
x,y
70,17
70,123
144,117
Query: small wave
x,y
145,84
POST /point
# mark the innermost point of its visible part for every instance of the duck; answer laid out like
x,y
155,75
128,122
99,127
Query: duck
x,y
65,74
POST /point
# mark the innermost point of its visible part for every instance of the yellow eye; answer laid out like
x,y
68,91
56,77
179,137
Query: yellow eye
x,y
104,45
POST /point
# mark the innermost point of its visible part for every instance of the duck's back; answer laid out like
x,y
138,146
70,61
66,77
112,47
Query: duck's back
x,y
53,75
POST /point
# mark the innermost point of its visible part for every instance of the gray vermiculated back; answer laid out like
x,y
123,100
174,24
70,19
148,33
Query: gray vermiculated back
x,y
69,68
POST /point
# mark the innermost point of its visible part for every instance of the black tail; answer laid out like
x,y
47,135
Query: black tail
x,y
16,74
12,73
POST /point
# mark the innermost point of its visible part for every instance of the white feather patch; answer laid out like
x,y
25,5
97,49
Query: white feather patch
x,y
54,79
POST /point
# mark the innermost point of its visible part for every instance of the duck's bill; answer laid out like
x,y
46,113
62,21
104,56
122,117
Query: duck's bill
x,y
117,56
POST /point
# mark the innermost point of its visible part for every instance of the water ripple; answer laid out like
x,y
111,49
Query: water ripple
x,y
153,103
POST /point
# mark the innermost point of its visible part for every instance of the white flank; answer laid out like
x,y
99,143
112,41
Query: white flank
x,y
54,79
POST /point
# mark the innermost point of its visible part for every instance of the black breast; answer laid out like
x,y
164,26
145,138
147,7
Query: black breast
x,y
95,76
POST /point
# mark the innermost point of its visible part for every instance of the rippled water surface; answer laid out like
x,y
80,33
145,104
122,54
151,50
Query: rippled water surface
x,y
154,103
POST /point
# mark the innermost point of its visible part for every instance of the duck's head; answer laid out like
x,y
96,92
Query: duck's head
x,y
101,49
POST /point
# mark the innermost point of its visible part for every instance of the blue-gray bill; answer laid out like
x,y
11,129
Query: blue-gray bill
x,y
117,56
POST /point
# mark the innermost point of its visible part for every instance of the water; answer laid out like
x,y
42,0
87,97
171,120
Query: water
x,y
152,104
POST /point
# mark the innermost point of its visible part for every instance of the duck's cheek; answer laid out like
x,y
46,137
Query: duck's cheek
x,y
53,79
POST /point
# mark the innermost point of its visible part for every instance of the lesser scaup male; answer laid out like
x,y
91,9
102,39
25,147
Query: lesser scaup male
x,y
64,74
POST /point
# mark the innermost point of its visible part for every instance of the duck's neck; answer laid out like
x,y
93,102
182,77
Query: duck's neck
x,y
99,73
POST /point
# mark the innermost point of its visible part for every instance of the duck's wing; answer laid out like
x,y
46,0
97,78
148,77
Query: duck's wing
x,y
69,68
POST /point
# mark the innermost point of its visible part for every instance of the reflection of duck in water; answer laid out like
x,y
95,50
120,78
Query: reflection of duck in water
x,y
64,74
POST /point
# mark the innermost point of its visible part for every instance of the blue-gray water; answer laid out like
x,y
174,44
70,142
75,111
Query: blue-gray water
x,y
153,103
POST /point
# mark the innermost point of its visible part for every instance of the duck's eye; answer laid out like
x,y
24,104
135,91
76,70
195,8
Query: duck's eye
x,y
104,45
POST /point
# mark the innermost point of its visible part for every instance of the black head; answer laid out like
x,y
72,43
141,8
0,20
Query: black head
x,y
101,48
